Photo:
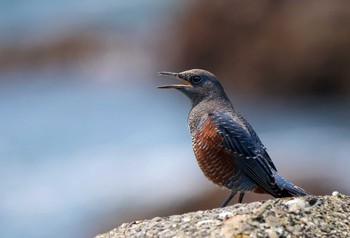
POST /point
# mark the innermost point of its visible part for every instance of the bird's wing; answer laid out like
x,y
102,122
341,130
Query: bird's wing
x,y
250,155
258,141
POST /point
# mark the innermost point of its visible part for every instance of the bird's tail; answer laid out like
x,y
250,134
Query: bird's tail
x,y
288,188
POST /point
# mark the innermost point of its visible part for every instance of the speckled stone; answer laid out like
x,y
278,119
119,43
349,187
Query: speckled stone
x,y
311,216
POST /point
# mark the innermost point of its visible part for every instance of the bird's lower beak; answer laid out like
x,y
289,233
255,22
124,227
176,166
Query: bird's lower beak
x,y
176,76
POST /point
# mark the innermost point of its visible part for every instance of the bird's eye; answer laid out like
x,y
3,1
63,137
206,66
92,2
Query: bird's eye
x,y
196,79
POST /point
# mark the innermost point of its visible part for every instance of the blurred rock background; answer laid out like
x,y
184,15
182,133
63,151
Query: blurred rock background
x,y
88,142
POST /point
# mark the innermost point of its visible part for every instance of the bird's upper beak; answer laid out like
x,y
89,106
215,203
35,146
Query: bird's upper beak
x,y
176,76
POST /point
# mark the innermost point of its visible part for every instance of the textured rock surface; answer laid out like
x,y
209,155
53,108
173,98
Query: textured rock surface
x,y
312,216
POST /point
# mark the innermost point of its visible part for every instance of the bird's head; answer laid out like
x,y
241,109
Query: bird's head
x,y
198,84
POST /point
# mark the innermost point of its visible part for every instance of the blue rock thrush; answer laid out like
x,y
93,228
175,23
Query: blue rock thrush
x,y
226,147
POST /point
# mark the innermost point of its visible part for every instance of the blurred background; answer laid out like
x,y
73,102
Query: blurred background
x,y
88,142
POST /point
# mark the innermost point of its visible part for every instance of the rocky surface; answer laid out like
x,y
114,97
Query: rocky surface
x,y
311,216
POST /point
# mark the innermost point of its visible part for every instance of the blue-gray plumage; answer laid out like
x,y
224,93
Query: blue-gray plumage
x,y
226,147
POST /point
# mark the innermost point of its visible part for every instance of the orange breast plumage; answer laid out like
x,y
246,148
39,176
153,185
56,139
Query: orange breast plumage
x,y
217,163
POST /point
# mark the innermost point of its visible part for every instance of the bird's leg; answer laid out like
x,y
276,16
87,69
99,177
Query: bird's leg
x,y
241,195
228,199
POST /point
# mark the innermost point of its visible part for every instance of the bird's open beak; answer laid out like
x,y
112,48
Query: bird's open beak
x,y
176,76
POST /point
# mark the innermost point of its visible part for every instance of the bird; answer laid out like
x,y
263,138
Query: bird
x,y
227,149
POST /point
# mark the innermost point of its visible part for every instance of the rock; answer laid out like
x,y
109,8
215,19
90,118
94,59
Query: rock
x,y
310,216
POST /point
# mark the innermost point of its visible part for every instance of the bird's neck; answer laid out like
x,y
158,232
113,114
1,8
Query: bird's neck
x,y
199,100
